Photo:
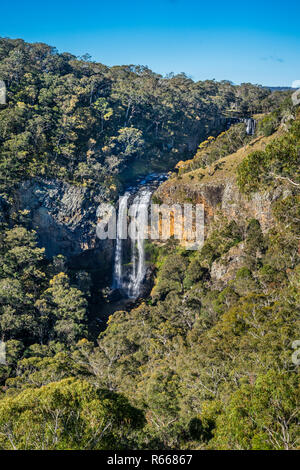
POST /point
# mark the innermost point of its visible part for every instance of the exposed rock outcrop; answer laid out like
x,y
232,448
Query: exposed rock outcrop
x,y
216,188
225,197
64,217
224,270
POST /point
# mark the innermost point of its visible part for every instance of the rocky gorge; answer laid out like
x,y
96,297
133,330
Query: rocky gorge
x,y
64,215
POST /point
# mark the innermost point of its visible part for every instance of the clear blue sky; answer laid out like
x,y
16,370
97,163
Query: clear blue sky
x,y
255,41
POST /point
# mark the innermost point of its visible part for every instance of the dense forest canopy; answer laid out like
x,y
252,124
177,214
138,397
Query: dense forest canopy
x,y
88,123
200,363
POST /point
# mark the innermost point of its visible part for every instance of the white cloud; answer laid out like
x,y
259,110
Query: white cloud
x,y
296,84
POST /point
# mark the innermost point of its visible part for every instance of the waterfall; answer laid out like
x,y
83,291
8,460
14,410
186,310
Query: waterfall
x,y
140,224
129,261
130,283
250,126
122,220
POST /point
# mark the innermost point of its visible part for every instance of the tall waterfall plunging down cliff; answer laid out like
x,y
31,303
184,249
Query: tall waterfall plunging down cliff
x,y
129,263
250,126
140,216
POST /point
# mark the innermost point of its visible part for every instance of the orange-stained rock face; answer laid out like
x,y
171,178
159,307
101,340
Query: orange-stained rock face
x,y
215,186
222,197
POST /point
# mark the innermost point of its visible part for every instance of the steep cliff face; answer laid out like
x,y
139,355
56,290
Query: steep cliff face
x,y
3,207
216,188
64,217
224,197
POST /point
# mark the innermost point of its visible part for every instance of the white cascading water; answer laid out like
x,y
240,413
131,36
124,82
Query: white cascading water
x,y
250,126
122,219
129,277
140,216
139,224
